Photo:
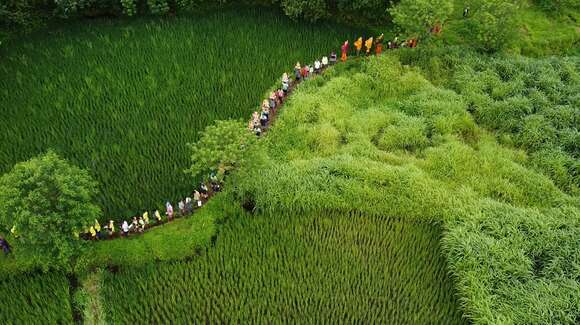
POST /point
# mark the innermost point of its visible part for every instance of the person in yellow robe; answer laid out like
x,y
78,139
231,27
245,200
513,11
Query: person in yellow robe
x,y
369,45
146,217
358,45
93,232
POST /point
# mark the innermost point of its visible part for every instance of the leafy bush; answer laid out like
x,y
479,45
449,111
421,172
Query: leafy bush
x,y
222,147
47,203
419,16
492,24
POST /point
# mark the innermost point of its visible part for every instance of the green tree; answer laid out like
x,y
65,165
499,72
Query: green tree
x,y
48,202
418,16
492,25
221,147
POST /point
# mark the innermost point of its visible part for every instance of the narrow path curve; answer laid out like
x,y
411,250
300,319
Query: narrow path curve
x,y
210,193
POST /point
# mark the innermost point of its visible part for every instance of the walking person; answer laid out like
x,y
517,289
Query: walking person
x,y
333,56
358,45
169,211
141,225
369,45
97,229
111,228
203,190
158,216
324,62
280,95
317,66
125,228
181,206
188,205
146,217
5,246
285,82
297,71
379,44
197,198
272,102
466,12
344,51
304,72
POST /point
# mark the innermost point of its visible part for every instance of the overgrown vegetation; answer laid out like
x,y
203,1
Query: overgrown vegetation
x,y
338,146
296,268
45,203
123,100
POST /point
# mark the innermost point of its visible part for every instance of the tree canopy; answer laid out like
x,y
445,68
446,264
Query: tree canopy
x,y
47,202
418,16
222,147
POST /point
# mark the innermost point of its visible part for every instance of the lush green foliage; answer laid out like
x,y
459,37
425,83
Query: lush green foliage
x,y
222,147
419,16
335,148
492,24
517,266
558,6
47,202
533,104
291,268
132,114
35,299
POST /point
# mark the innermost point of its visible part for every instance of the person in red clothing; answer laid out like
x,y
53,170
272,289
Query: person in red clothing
x,y
305,71
344,50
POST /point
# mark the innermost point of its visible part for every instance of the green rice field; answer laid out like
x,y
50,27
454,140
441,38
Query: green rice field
x,y
331,268
123,98
35,299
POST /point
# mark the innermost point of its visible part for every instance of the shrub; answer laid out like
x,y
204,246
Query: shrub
x,y
48,203
419,16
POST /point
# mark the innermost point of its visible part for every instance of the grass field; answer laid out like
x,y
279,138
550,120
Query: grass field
x,y
296,269
122,98
35,299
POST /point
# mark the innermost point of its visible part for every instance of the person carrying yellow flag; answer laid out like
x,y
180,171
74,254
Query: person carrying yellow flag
x,y
369,45
98,229
358,45
93,232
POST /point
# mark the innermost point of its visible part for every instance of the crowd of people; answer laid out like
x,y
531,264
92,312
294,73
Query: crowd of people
x,y
262,119
259,122
139,223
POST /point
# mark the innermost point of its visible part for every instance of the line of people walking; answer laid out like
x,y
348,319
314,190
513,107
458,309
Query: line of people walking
x,y
139,224
259,122
262,119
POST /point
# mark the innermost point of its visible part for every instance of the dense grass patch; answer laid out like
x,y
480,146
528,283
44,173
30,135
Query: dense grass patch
x,y
35,299
511,233
331,267
122,98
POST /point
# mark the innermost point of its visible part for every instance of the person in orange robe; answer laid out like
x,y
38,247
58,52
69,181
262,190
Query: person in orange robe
x,y
358,45
379,44
344,50
369,45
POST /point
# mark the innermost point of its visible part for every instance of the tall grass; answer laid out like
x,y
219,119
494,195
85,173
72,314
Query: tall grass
x,y
511,233
123,98
293,268
35,299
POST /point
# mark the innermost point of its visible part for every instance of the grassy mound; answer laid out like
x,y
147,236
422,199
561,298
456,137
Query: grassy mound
x,y
123,98
378,138
291,268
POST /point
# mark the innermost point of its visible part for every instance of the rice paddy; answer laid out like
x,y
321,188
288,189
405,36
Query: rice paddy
x,y
328,268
